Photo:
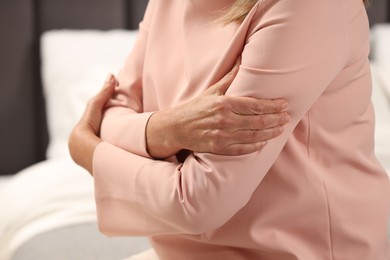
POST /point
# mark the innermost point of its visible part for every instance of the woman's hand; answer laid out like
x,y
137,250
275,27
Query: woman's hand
x,y
215,123
85,135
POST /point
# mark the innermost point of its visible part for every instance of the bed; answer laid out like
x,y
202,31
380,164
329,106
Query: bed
x,y
55,57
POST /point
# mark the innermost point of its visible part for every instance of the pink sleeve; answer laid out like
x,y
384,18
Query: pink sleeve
x,y
124,122
294,53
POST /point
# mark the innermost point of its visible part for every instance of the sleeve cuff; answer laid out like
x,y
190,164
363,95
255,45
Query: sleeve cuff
x,y
128,133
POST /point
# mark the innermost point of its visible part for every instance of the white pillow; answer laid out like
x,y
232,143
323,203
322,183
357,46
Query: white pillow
x,y
380,54
75,64
380,96
380,42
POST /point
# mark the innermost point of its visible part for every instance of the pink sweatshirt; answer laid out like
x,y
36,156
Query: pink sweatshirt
x,y
316,192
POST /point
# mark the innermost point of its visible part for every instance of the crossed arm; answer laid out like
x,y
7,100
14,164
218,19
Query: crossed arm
x,y
212,123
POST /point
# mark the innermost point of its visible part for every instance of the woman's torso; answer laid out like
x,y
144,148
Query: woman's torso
x,y
326,196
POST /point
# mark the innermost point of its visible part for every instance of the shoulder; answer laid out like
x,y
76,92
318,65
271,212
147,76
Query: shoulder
x,y
309,22
293,29
298,12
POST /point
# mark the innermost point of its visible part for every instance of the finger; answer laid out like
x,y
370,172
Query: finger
x,y
222,86
259,122
110,81
241,149
252,136
254,106
101,98
96,104
226,81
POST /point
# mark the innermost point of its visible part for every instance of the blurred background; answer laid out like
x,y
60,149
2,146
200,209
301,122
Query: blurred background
x,y
23,131
54,54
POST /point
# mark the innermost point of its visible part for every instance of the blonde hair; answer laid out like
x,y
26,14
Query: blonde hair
x,y
240,9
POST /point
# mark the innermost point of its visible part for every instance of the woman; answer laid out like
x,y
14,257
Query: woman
x,y
314,192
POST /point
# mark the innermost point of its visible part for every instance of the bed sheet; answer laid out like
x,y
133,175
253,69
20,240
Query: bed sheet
x,y
42,197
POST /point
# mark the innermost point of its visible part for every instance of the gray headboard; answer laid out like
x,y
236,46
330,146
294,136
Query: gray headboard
x,y
379,11
23,134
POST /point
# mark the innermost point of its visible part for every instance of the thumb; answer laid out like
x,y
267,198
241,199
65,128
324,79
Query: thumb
x,y
110,81
222,86
107,91
95,106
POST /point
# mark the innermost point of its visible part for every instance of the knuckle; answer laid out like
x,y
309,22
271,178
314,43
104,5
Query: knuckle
x,y
218,139
222,104
217,135
250,136
222,122
260,109
254,135
273,106
261,120
262,135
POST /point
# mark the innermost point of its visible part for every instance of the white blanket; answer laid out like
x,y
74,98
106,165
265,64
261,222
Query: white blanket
x,y
45,196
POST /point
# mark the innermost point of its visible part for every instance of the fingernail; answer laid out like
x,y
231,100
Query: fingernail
x,y
287,118
109,78
284,105
112,79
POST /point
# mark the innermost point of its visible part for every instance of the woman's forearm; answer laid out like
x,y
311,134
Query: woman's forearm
x,y
215,123
160,136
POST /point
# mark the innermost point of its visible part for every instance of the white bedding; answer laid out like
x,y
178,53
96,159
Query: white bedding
x,y
382,116
381,91
56,192
47,195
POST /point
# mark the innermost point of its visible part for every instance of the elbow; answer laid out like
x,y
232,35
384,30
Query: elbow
x,y
202,225
113,219
204,210
206,213
104,228
106,223
207,218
